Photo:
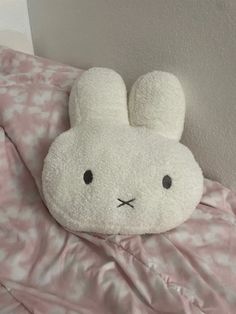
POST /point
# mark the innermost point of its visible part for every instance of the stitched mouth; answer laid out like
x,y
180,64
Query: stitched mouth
x,y
126,202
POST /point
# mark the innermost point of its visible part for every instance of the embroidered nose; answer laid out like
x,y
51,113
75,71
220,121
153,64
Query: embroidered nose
x,y
126,202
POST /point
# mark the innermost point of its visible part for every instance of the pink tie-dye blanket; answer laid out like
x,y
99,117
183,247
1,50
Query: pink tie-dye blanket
x,y
46,269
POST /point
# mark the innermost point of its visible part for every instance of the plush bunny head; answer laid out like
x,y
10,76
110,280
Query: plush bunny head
x,y
120,170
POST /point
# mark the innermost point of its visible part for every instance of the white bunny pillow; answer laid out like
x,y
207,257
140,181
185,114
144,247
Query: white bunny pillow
x,y
115,172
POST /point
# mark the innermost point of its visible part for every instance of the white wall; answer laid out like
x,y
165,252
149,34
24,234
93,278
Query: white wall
x,y
194,39
14,25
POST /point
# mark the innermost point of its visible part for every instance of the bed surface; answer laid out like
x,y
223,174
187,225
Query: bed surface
x,y
45,269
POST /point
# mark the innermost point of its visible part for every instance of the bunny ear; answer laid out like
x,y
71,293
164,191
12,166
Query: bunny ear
x,y
99,94
157,101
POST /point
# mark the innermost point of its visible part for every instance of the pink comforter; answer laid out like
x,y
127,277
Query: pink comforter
x,y
45,269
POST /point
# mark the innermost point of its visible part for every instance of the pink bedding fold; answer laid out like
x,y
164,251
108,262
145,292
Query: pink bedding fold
x,y
46,269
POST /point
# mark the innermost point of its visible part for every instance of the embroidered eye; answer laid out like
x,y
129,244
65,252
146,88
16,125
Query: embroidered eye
x,y
166,182
88,176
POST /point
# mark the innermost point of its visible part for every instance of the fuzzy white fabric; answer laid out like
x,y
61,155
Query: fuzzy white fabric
x,y
140,179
